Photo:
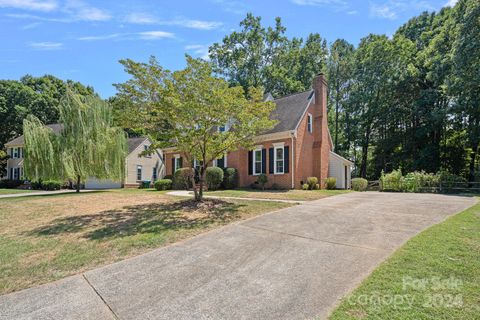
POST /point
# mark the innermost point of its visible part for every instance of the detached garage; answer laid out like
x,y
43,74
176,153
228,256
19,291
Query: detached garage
x,y
341,169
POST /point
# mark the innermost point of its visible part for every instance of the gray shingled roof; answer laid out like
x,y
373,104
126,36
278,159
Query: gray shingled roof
x,y
56,127
133,143
289,111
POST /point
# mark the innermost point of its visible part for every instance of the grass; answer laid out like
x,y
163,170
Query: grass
x,y
301,195
45,238
14,191
435,275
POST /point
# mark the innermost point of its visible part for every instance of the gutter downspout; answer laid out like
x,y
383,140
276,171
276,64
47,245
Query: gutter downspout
x,y
293,135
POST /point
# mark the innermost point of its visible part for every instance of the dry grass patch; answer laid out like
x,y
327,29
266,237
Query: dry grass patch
x,y
47,238
300,195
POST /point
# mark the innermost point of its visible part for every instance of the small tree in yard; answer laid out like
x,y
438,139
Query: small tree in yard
x,y
88,145
194,104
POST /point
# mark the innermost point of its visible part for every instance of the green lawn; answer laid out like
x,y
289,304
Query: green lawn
x,y
14,191
45,238
277,194
435,275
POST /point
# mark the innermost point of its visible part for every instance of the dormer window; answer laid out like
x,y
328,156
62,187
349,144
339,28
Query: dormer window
x,y
222,129
310,123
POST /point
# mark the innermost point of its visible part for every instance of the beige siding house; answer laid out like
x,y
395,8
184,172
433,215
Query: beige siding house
x,y
138,167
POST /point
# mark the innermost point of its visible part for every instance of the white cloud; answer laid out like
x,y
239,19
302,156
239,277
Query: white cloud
x,y
46,45
31,25
34,5
451,3
80,10
146,18
352,12
391,9
199,50
154,35
141,18
103,37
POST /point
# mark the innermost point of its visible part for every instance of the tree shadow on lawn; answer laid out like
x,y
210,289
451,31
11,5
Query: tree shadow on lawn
x,y
147,218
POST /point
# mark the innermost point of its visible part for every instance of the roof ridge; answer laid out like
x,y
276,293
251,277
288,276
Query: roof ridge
x,y
292,94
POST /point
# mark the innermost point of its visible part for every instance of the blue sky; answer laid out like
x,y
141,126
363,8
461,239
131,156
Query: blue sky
x,y
84,39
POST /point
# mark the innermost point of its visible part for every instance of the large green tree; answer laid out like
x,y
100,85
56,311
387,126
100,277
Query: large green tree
x,y
88,145
258,56
194,104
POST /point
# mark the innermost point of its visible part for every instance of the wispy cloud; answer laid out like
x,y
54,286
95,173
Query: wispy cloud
x,y
199,50
71,11
33,5
146,18
145,35
393,8
46,45
155,35
233,6
451,3
320,2
31,25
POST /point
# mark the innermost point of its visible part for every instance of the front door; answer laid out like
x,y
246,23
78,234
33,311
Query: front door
x,y
346,178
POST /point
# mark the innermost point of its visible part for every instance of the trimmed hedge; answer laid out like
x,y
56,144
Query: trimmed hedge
x,y
359,184
213,178
181,179
331,183
230,178
163,184
48,185
312,182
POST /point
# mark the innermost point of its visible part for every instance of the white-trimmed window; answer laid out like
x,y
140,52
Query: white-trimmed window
x,y
196,164
257,161
310,123
16,153
222,128
154,175
176,163
279,159
220,162
139,172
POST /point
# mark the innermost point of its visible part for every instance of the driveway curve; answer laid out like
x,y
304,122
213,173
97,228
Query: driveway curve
x,y
295,263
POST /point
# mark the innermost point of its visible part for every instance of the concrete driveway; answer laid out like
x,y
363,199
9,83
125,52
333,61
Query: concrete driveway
x,y
295,263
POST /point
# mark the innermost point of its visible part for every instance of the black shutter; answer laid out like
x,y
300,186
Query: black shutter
x,y
181,162
264,160
221,162
11,152
250,162
173,166
270,160
286,159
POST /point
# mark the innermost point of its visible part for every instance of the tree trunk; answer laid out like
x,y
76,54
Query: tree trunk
x,y
78,184
336,125
363,167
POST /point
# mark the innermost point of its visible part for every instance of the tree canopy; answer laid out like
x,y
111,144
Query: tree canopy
x,y
206,117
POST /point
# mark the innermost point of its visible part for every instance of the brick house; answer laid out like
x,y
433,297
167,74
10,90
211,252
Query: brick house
x,y
299,146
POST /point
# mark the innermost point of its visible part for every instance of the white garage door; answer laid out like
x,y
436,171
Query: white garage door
x,y
93,183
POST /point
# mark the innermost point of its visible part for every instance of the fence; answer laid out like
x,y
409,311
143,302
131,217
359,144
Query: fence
x,y
429,187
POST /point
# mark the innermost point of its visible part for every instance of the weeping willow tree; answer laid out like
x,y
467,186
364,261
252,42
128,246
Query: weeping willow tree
x,y
87,146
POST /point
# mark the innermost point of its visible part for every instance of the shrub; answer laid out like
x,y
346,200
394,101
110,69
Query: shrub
x,y
312,181
144,184
419,181
317,186
331,183
392,181
10,184
230,178
305,186
262,180
181,179
359,184
450,181
163,184
51,185
168,176
214,177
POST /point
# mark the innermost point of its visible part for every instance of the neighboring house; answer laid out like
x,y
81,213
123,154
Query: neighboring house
x,y
298,147
137,168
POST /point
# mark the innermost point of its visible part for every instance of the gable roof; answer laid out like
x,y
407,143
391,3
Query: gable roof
x,y
56,127
133,143
289,111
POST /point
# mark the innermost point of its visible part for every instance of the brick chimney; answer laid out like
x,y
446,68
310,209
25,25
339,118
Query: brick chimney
x,y
321,148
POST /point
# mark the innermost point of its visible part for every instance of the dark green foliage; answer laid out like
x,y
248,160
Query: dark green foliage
x,y
182,179
48,185
214,178
163,184
10,184
359,184
331,183
230,178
